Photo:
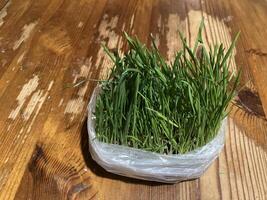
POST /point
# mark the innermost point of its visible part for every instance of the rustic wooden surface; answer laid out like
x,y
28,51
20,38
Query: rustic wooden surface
x,y
45,45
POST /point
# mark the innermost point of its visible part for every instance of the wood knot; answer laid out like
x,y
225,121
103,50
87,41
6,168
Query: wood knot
x,y
57,40
250,102
37,155
257,52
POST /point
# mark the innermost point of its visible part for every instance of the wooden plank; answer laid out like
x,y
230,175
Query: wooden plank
x,y
47,45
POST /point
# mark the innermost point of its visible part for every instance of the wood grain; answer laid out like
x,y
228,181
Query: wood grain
x,y
47,45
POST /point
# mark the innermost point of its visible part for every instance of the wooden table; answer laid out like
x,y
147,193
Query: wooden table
x,y
46,45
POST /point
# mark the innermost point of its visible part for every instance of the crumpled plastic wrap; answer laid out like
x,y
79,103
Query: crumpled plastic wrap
x,y
140,164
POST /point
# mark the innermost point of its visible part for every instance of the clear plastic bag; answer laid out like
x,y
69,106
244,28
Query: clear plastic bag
x,y
151,166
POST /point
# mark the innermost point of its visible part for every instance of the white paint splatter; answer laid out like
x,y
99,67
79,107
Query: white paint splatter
x,y
82,90
106,31
50,85
75,106
173,42
103,60
84,71
41,101
132,21
7,159
3,12
123,27
80,25
160,30
20,132
157,41
5,172
61,102
220,34
37,98
228,18
25,92
32,104
26,32
20,58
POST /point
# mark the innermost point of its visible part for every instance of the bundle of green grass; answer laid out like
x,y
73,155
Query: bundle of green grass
x,y
174,108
